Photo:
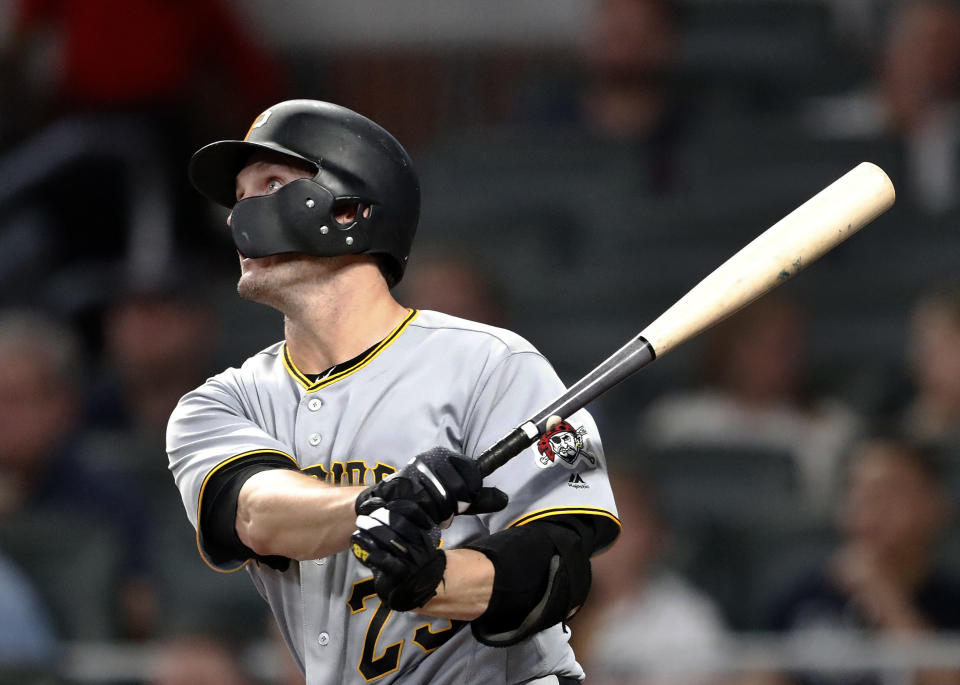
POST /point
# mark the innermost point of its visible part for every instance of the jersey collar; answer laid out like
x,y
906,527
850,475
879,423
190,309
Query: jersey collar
x,y
352,367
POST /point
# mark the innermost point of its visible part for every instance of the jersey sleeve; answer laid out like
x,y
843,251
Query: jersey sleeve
x,y
565,476
208,431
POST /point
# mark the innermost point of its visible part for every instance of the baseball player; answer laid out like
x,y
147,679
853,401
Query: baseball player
x,y
326,464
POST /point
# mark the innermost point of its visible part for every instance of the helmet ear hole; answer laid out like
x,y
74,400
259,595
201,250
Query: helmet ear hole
x,y
347,213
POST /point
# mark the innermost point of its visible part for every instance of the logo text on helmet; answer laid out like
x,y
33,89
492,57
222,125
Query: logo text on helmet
x,y
258,122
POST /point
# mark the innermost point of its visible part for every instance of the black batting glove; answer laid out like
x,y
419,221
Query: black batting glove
x,y
401,546
439,481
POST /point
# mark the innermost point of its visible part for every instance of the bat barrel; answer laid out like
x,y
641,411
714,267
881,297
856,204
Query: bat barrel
x,y
776,255
829,217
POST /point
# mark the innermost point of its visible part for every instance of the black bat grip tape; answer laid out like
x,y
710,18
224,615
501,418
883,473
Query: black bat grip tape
x,y
629,359
503,451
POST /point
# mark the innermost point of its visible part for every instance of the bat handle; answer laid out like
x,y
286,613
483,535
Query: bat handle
x,y
504,450
636,354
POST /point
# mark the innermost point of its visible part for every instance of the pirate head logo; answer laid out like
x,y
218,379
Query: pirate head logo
x,y
563,442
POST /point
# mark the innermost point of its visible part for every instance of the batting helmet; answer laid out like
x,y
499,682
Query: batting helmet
x,y
357,163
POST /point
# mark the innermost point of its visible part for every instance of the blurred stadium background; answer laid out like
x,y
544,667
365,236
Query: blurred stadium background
x,y
786,482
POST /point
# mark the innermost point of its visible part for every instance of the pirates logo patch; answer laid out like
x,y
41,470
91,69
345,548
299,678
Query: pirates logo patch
x,y
564,444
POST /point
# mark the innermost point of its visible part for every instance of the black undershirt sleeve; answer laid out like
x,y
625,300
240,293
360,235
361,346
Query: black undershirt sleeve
x,y
218,510
522,558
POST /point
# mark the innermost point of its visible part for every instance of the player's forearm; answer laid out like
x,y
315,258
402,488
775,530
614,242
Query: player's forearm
x,y
290,514
465,590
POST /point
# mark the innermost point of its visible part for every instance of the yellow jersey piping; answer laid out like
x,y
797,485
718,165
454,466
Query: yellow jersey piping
x,y
340,375
559,511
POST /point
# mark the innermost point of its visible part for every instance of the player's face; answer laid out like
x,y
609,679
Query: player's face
x,y
563,445
266,173
265,279
268,279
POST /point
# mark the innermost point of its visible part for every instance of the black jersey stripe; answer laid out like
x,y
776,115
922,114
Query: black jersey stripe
x,y
203,487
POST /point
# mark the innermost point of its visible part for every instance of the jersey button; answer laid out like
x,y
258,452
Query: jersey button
x,y
323,639
314,404
315,439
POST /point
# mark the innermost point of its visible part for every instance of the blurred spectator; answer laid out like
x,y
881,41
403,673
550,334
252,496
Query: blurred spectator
x,y
915,98
132,89
933,414
453,285
755,397
158,345
26,635
188,660
39,382
631,52
883,580
631,92
289,672
52,506
628,86
152,55
641,616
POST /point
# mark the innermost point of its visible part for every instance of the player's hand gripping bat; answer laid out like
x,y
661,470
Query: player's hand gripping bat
x,y
819,224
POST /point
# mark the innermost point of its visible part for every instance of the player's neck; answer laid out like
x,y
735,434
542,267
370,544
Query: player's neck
x,y
340,323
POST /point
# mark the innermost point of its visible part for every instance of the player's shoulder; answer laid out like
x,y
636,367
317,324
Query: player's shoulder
x,y
234,386
253,367
446,329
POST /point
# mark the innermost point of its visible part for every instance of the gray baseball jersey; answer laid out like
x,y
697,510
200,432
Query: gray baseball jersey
x,y
435,380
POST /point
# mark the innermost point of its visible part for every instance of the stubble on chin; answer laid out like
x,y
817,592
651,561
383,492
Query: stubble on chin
x,y
259,288
285,281
271,284
249,289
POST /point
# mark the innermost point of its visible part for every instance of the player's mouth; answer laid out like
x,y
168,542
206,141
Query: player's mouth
x,y
246,262
245,258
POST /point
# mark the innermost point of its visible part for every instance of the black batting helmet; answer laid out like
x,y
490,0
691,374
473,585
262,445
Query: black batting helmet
x,y
357,162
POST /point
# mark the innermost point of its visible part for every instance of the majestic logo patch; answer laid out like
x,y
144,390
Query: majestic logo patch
x,y
564,443
576,481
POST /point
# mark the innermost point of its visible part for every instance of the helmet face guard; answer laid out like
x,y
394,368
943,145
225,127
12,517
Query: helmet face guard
x,y
357,163
299,218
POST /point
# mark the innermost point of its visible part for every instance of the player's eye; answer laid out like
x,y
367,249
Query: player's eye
x,y
274,185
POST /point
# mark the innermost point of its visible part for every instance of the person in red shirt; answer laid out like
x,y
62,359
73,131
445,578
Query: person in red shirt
x,y
129,53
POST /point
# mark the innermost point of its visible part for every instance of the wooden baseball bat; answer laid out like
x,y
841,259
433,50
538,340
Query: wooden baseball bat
x,y
776,255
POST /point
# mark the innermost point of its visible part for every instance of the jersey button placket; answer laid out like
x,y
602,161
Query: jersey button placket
x,y
313,405
323,639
